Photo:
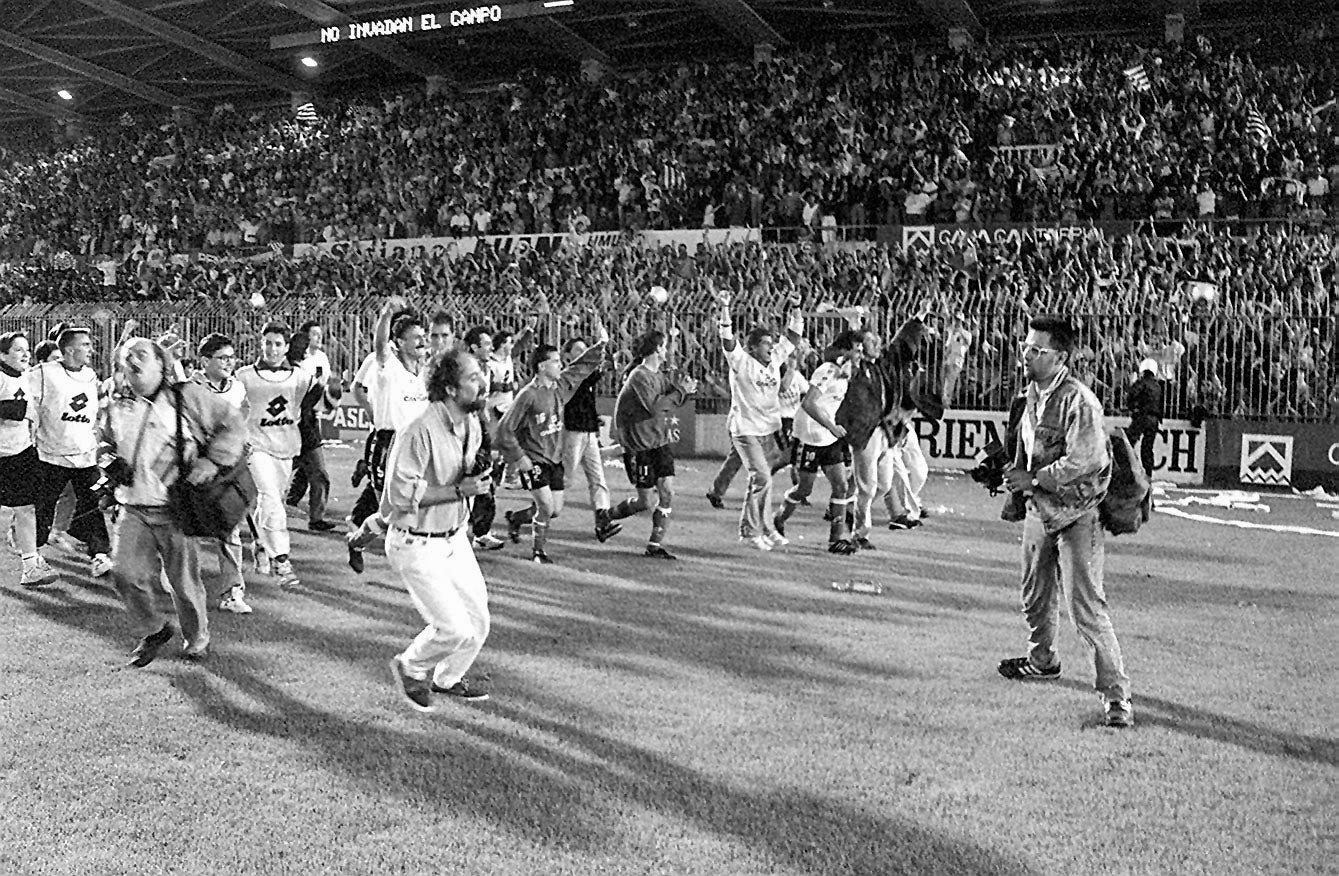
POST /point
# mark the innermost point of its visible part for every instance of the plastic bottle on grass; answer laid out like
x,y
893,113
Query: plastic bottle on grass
x,y
856,585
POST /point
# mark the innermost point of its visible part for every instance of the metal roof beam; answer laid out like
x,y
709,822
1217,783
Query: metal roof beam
x,y
90,71
406,59
224,57
740,19
952,13
40,107
551,32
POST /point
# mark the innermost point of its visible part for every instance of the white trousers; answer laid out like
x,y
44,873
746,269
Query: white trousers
x,y
271,475
910,471
583,448
446,586
873,479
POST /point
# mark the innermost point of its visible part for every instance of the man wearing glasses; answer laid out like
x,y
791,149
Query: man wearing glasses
x,y
217,358
1062,468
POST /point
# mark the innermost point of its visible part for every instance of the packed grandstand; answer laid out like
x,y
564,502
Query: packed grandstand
x,y
1180,199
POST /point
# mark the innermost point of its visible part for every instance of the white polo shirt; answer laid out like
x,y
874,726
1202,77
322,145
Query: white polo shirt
x,y
398,398
755,401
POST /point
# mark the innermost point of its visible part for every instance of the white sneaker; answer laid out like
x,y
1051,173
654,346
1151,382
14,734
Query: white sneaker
x,y
261,561
43,566
777,539
283,570
235,603
761,542
35,573
489,542
101,565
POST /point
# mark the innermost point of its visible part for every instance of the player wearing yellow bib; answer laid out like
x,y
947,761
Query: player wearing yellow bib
x,y
66,398
18,457
276,391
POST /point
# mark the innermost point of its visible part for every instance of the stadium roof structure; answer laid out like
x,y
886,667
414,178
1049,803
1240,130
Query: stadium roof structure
x,y
93,60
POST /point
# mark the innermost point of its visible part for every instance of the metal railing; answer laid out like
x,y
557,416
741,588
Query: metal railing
x,y
1214,364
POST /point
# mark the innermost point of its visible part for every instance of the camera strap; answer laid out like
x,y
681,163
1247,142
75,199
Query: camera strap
x,y
139,439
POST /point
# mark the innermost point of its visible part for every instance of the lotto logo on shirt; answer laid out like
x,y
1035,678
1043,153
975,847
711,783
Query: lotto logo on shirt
x,y
276,409
74,415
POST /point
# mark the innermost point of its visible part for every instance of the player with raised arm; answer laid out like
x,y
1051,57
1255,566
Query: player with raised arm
x,y
641,419
530,437
754,420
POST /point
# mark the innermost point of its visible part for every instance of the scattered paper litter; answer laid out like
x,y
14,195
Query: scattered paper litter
x,y
1317,492
1225,499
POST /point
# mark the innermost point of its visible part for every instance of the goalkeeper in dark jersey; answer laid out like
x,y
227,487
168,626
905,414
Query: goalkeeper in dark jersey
x,y
641,421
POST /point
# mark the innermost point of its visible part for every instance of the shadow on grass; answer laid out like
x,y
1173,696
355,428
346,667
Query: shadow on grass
x,y
537,776
1212,726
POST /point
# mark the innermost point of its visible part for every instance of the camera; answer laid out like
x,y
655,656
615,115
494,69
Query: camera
x,y
990,468
117,473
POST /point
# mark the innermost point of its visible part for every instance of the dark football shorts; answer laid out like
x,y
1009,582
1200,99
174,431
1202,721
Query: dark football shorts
x,y
544,474
645,467
18,478
815,459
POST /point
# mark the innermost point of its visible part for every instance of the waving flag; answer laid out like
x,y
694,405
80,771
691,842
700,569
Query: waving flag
x,y
306,113
1256,127
1137,76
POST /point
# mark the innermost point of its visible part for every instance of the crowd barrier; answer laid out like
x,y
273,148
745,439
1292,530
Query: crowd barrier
x,y
1213,365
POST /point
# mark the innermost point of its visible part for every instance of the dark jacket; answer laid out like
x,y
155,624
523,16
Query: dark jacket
x,y
878,389
580,414
1145,400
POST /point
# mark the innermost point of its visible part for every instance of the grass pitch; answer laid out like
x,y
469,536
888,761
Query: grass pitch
x,y
728,714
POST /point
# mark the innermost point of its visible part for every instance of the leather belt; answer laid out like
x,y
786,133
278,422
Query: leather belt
x,y
417,533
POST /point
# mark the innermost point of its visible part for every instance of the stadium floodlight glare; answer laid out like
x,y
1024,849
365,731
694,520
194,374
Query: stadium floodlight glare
x,y
309,61
64,94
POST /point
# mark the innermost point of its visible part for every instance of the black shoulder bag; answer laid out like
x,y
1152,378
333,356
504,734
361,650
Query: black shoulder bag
x,y
218,506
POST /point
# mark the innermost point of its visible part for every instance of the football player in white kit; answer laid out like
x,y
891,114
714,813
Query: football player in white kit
x,y
18,457
217,358
822,444
66,398
754,420
276,391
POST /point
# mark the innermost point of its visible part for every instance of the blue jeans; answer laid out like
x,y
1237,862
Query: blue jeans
x,y
756,452
1070,562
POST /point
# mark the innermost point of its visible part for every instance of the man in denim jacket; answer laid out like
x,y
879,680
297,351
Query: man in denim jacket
x,y
1062,467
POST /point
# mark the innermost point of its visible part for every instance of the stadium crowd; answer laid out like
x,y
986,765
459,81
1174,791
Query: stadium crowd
x,y
175,209
856,134
1241,323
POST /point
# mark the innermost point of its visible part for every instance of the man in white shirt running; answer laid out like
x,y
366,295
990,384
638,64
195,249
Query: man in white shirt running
x,y
276,393
397,395
66,398
822,443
